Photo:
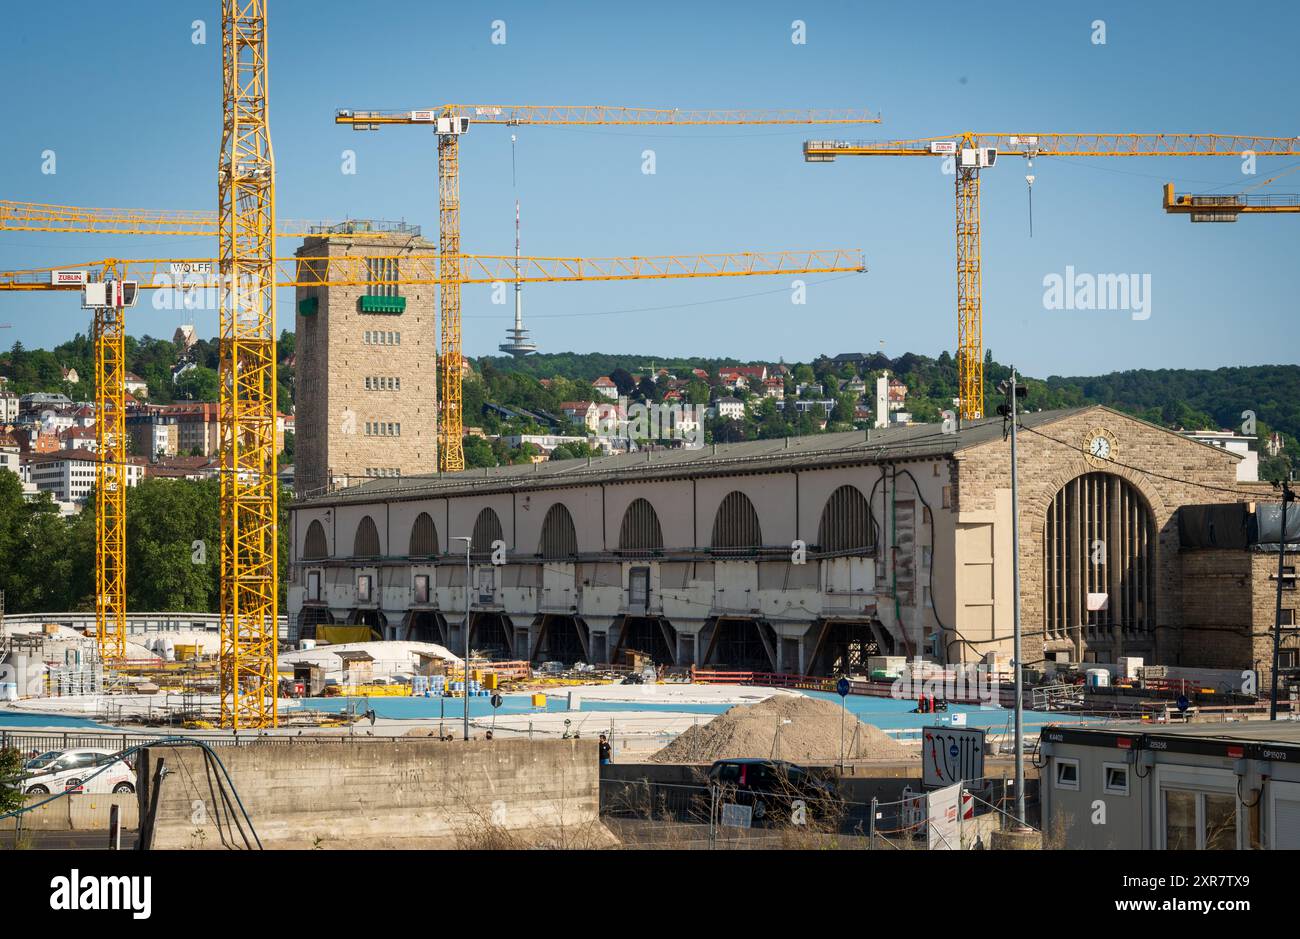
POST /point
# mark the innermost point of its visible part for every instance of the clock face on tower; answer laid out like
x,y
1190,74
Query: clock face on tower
x,y
1098,446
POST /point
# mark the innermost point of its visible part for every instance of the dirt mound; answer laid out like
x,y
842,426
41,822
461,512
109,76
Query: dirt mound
x,y
786,727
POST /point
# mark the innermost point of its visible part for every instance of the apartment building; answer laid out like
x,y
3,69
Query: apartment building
x,y
69,475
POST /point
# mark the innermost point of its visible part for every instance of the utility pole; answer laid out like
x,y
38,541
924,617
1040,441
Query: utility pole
x,y
1008,410
1287,496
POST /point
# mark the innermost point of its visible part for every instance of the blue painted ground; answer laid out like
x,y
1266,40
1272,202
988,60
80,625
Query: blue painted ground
x,y
12,719
885,713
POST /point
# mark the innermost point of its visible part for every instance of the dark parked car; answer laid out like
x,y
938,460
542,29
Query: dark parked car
x,y
772,787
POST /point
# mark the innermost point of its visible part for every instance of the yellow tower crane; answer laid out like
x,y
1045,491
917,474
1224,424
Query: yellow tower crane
x,y
449,122
1225,208
971,152
408,270
16,215
247,383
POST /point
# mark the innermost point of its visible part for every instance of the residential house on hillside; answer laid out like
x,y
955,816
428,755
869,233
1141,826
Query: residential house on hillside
x,y
10,455
585,413
732,409
611,419
10,407
38,401
897,395
135,385
820,408
774,388
604,385
197,426
80,438
183,467
731,378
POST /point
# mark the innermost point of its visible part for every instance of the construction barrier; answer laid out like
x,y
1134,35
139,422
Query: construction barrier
x,y
373,691
505,671
766,679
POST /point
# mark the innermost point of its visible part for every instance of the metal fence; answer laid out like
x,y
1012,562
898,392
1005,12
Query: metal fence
x,y
698,815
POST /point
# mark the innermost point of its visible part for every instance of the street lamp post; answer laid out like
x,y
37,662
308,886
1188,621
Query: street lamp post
x,y
465,630
1013,390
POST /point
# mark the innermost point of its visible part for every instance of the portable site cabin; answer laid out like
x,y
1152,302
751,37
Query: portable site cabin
x,y
1229,786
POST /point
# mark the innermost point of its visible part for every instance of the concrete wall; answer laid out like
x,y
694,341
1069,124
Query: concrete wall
x,y
414,793
84,812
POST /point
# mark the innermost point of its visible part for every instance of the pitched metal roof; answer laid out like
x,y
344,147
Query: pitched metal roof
x,y
917,441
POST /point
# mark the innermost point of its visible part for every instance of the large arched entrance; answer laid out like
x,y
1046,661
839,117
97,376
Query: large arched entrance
x,y
1099,560
741,643
489,636
310,617
424,626
842,647
651,635
561,639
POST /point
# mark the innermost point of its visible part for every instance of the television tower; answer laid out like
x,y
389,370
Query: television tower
x,y
517,342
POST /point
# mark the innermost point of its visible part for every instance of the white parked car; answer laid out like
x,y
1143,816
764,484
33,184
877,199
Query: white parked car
x,y
72,768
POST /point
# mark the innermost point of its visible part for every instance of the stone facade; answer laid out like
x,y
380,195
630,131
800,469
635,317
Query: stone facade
x,y
366,398
1229,609
940,563
1149,458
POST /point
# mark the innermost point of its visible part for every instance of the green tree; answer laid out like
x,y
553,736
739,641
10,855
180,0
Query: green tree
x,y
173,545
697,392
199,384
478,453
11,768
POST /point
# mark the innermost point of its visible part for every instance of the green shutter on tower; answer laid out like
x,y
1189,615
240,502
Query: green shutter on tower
x,y
391,305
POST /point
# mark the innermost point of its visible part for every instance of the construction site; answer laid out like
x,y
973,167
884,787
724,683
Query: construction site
x,y
959,634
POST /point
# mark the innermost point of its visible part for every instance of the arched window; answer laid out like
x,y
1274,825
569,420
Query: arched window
x,y
1099,547
487,529
640,530
366,544
559,538
846,523
315,546
736,524
424,537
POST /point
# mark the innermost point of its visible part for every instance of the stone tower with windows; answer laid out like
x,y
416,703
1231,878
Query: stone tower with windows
x,y
366,364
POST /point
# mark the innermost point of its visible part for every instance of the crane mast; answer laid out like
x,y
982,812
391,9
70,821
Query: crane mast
x,y
249,498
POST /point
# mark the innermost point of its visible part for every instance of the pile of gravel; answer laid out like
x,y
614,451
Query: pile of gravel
x,y
785,727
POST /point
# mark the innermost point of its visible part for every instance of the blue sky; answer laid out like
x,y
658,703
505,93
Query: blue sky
x,y
131,107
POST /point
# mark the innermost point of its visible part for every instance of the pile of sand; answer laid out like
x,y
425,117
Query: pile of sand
x,y
786,727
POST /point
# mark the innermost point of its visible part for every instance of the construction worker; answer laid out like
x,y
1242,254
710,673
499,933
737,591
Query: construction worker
x,y
606,753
